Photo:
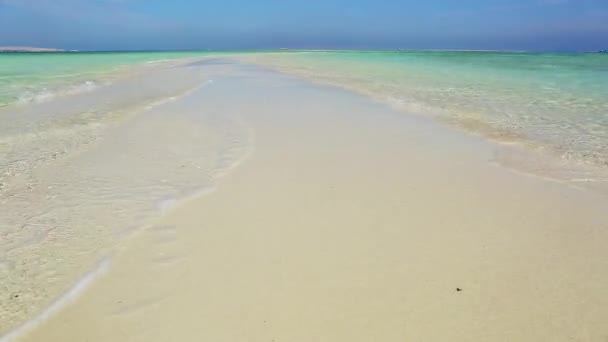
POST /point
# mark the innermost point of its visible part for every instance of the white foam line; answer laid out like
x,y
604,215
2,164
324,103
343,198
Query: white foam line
x,y
72,294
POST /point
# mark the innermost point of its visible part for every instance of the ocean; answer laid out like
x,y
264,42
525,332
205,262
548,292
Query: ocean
x,y
36,77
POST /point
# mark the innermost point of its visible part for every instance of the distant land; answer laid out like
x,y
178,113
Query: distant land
x,y
27,49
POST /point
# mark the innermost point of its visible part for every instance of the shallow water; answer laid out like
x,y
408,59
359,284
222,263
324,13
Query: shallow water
x,y
81,173
40,77
556,102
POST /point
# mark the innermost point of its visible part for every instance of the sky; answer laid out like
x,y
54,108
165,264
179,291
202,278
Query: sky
x,y
557,25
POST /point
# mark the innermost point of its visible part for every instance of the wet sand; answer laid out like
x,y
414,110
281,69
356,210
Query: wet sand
x,y
349,221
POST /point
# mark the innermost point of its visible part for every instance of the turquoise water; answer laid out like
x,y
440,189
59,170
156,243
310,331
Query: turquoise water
x,y
35,77
551,101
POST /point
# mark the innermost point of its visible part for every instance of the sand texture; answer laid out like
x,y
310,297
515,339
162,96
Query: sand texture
x,y
349,221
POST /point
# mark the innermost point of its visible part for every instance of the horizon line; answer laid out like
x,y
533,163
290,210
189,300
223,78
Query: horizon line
x,y
278,49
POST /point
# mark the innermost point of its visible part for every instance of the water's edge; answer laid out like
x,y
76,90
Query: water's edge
x,y
66,213
136,180
516,149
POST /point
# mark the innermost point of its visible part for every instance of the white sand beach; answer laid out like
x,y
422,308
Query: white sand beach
x,y
339,218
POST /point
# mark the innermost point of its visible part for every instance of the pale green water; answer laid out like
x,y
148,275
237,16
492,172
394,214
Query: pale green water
x,y
556,101
35,77
553,101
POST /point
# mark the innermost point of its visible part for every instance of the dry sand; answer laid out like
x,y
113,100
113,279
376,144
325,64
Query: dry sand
x,y
351,222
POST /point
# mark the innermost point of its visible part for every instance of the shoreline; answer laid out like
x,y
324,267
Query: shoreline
x,y
572,159
517,151
340,194
88,80
97,182
70,296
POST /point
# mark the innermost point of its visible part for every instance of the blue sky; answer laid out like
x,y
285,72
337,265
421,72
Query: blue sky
x,y
191,24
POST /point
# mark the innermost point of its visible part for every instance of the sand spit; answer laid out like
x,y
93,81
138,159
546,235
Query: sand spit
x,y
350,222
